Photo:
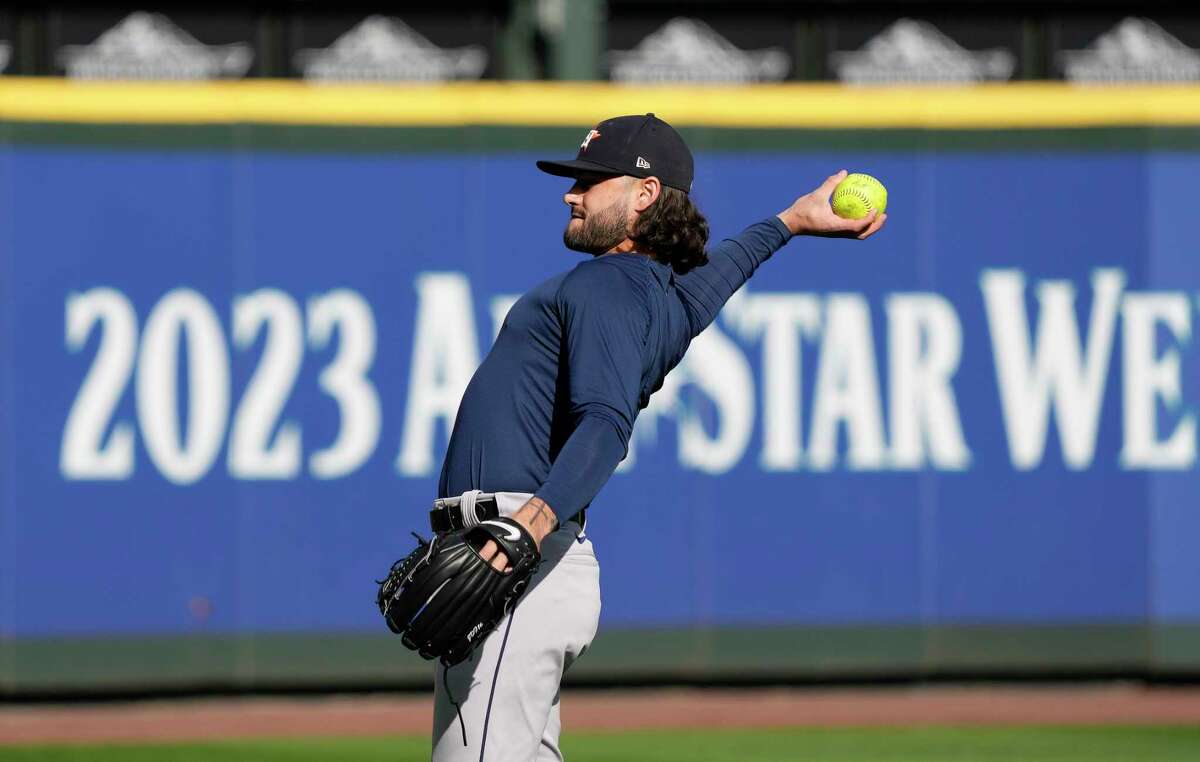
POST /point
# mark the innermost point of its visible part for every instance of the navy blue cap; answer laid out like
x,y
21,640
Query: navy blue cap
x,y
638,146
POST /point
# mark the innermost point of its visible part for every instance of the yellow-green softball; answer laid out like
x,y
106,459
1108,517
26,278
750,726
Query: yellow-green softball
x,y
857,195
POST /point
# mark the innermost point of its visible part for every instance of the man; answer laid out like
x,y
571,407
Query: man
x,y
548,415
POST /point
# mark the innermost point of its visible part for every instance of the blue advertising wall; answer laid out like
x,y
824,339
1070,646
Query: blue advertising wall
x,y
228,376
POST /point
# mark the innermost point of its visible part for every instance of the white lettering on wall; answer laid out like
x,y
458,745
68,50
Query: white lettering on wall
x,y
1149,377
251,453
1055,373
183,316
847,389
924,348
783,321
719,369
445,355
1046,365
84,453
345,379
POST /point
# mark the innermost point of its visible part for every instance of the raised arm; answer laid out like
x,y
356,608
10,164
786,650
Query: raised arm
x,y
705,289
731,262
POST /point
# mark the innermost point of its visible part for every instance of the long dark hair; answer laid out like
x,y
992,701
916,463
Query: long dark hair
x,y
673,230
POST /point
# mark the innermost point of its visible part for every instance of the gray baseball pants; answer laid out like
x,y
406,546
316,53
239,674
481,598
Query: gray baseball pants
x,y
508,691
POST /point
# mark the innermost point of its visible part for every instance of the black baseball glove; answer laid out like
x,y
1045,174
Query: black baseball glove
x,y
444,599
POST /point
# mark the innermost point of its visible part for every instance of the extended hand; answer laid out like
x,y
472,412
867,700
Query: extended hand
x,y
812,215
537,517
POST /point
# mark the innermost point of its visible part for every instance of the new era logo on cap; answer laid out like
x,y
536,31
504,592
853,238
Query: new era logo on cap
x,y
639,146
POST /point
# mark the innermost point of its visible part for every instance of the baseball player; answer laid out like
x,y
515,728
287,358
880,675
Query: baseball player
x,y
548,415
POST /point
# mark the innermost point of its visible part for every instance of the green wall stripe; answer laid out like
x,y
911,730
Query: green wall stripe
x,y
776,653
564,139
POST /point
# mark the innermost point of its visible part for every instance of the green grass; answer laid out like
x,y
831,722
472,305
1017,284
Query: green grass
x,y
1023,744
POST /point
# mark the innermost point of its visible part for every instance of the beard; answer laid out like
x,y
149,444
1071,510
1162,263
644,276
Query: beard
x,y
597,233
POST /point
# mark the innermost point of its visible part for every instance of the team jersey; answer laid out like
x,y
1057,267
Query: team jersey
x,y
551,409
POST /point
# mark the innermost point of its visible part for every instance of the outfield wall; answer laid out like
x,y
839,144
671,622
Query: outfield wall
x,y
236,321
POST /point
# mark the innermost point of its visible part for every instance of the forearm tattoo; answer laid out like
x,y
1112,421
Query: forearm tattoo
x,y
544,518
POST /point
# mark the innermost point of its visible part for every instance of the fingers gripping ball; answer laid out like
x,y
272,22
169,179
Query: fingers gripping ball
x,y
443,599
857,196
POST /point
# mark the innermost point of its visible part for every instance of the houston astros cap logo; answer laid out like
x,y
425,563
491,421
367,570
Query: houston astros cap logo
x,y
588,139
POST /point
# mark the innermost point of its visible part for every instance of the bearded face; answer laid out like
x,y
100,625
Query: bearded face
x,y
597,231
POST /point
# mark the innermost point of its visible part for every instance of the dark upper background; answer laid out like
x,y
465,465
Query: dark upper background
x,y
519,48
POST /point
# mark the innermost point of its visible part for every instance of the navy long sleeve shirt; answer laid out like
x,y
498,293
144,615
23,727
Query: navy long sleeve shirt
x,y
551,408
